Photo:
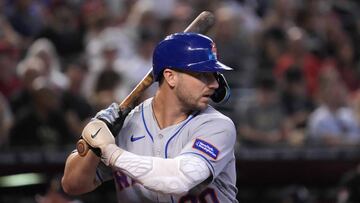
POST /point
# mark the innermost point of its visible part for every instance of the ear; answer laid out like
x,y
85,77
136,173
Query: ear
x,y
171,77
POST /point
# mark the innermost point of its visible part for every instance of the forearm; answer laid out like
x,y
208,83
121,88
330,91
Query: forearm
x,y
169,176
80,173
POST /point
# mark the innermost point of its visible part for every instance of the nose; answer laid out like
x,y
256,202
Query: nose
x,y
212,82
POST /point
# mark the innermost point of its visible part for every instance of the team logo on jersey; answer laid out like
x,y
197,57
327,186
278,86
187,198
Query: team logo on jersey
x,y
206,147
133,138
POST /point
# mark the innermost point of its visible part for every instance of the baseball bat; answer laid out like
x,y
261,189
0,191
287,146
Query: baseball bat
x,y
201,24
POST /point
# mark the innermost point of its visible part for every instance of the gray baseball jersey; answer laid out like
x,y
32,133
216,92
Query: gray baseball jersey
x,y
207,134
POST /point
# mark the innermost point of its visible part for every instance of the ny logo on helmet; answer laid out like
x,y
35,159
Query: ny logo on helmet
x,y
213,55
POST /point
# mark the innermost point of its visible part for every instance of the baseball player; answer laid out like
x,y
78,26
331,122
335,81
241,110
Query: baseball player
x,y
173,147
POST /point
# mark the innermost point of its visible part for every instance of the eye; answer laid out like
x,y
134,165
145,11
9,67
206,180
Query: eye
x,y
209,76
205,77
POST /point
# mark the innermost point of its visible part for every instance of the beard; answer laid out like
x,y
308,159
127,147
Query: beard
x,y
190,101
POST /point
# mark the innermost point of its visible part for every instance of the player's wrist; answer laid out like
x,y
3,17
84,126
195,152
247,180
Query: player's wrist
x,y
110,153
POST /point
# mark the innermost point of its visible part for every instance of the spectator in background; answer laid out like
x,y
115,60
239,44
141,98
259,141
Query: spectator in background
x,y
105,89
43,125
27,70
339,38
77,109
26,17
236,52
95,18
45,50
64,30
296,103
6,121
345,63
143,17
355,104
9,35
135,68
105,44
101,33
9,82
178,19
297,54
313,19
263,122
107,63
281,14
333,123
272,43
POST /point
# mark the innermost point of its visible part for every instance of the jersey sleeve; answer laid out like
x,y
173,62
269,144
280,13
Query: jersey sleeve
x,y
214,142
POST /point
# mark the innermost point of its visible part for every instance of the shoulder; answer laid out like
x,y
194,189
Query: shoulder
x,y
210,114
212,119
143,106
137,112
213,127
320,113
346,112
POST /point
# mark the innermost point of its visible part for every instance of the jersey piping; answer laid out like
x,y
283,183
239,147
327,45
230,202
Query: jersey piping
x,y
143,118
181,127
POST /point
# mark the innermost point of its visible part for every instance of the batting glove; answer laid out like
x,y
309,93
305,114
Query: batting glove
x,y
98,136
113,117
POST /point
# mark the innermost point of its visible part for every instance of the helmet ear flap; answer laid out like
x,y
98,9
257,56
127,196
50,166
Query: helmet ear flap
x,y
221,94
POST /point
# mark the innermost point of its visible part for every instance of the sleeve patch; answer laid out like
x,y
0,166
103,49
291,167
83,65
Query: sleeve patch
x,y
206,147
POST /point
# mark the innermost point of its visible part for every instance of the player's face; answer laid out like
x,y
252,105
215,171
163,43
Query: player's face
x,y
194,89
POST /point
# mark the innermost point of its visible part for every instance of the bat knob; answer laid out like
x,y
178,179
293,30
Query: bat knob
x,y
82,147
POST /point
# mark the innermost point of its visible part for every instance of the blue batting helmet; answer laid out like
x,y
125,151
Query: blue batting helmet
x,y
186,51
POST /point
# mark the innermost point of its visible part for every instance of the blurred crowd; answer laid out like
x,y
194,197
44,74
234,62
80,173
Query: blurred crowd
x,y
295,80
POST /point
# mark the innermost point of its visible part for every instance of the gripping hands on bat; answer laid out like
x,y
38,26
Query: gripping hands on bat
x,y
98,134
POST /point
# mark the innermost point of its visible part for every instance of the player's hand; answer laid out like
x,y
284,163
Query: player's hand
x,y
113,117
98,136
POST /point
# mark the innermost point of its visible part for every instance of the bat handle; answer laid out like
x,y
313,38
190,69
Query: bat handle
x,y
82,147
